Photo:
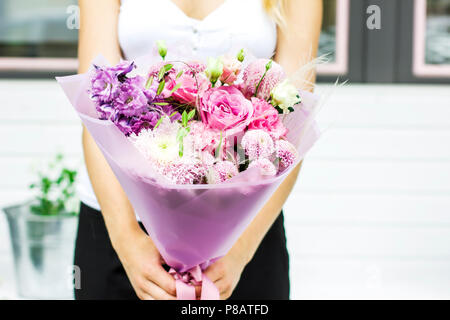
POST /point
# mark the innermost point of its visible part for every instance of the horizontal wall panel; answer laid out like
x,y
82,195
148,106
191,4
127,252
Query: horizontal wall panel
x,y
374,176
383,144
36,139
36,100
367,210
369,242
13,197
17,173
394,106
369,279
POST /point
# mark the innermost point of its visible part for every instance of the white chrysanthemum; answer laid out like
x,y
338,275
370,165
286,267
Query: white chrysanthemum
x,y
159,145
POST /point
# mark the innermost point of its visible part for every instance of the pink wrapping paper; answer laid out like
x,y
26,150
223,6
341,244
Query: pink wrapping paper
x,y
191,225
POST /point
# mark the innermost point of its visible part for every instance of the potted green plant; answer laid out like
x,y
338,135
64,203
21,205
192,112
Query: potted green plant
x,y
42,234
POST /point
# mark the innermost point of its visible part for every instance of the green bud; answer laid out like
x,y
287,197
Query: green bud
x,y
269,65
241,55
162,48
214,69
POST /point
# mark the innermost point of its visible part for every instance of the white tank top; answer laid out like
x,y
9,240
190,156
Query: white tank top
x,y
233,25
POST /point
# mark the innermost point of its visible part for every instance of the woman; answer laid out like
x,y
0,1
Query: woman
x,y
116,257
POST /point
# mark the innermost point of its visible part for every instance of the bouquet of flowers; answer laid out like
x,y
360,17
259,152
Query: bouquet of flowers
x,y
198,147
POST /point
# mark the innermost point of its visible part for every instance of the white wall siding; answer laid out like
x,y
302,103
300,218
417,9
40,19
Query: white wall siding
x,y
368,218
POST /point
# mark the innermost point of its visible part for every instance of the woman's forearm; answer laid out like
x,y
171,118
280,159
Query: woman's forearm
x,y
98,35
297,46
115,206
249,241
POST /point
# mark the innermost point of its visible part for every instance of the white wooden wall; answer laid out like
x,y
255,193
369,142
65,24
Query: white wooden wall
x,y
369,217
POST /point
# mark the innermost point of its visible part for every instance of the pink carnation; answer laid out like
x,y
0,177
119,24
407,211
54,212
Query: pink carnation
x,y
286,153
222,171
257,144
266,117
265,166
203,138
253,74
185,173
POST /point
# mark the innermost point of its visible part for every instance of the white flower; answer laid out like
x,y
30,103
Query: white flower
x,y
285,95
159,145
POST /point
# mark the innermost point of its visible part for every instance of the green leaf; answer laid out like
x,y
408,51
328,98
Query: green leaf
x,y
160,103
179,74
168,67
161,87
175,88
164,69
182,132
184,118
191,114
158,123
219,147
149,82
161,73
173,114
181,149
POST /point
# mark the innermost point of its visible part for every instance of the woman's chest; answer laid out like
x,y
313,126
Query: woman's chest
x,y
233,24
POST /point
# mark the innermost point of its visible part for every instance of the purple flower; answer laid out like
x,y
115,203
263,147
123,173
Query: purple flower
x,y
127,102
146,121
105,110
104,85
122,69
123,123
168,110
106,81
131,99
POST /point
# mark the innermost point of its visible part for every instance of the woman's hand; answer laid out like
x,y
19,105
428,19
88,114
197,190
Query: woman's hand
x,y
143,265
226,272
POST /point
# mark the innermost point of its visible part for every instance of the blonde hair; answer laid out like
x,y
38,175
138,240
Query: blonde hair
x,y
276,10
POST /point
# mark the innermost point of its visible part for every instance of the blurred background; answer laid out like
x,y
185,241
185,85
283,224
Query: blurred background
x,y
370,215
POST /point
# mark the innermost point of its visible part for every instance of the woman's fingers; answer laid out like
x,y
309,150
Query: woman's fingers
x,y
215,272
163,279
225,288
152,291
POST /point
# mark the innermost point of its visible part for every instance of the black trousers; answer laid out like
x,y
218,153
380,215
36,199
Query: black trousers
x,y
266,276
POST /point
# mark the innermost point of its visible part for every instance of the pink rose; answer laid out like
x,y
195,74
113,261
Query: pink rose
x,y
189,89
231,69
226,109
266,118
